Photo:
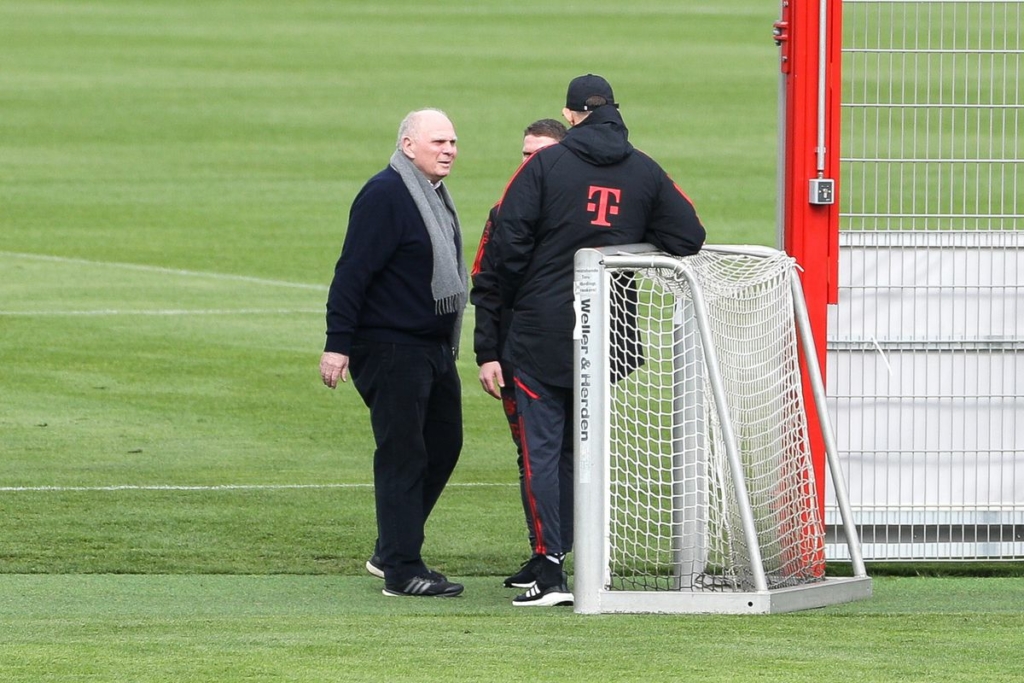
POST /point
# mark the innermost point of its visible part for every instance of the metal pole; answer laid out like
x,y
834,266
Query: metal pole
x,y
831,452
822,82
590,504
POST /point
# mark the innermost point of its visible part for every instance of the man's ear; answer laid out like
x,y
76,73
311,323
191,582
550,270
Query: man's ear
x,y
407,147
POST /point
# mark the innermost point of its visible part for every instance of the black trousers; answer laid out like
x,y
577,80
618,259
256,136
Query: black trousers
x,y
546,430
415,401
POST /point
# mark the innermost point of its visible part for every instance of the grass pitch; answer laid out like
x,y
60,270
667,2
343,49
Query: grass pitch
x,y
340,628
181,498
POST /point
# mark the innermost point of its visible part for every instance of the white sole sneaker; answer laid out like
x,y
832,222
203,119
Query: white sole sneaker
x,y
552,598
374,569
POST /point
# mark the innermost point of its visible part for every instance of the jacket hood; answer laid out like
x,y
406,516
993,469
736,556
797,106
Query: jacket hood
x,y
601,139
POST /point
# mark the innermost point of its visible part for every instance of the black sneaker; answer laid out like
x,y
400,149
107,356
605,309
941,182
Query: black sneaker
x,y
550,589
427,585
527,574
375,566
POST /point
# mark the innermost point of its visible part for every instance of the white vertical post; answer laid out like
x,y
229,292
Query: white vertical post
x,y
590,341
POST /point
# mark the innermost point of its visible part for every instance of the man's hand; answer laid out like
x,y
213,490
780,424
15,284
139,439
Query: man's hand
x,y
333,366
491,378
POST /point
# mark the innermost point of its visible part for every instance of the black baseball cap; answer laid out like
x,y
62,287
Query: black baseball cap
x,y
583,88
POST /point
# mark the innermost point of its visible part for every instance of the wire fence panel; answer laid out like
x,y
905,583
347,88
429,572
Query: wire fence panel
x,y
925,372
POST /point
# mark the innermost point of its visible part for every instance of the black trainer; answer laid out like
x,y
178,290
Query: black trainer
x,y
430,584
527,574
550,589
375,566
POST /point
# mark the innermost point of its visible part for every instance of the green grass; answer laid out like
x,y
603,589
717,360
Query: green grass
x,y
181,499
270,628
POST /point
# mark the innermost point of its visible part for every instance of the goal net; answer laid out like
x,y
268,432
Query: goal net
x,y
694,473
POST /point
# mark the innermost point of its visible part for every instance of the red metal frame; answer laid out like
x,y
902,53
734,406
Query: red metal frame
x,y
811,231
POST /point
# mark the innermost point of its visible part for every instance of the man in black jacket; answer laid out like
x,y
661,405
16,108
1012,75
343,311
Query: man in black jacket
x,y
591,190
492,321
394,314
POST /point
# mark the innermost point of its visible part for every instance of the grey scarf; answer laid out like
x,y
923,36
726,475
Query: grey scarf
x,y
449,282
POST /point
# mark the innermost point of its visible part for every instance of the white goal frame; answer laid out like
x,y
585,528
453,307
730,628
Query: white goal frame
x,y
593,586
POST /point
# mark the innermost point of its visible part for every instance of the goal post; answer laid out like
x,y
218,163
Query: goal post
x,y
695,490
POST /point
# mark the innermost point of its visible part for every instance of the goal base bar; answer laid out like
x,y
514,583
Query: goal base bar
x,y
831,591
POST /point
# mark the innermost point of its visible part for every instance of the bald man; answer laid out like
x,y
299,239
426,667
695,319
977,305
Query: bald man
x,y
394,316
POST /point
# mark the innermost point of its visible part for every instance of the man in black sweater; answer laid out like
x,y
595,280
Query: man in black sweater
x,y
593,189
394,314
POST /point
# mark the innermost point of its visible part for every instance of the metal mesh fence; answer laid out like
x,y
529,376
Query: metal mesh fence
x,y
932,110
924,348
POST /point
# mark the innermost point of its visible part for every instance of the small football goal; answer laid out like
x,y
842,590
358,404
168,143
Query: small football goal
x,y
695,490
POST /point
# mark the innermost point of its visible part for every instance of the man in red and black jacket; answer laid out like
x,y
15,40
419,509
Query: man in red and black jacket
x,y
591,190
492,323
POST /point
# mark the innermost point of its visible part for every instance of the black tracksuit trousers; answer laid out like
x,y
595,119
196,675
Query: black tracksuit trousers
x,y
546,431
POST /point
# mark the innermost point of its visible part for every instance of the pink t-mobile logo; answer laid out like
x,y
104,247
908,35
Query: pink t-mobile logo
x,y
605,203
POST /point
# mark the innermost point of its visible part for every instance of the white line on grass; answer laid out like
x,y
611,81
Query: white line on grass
x,y
167,312
160,269
216,487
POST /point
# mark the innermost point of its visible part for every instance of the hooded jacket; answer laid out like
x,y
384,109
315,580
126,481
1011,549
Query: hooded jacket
x,y
593,189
